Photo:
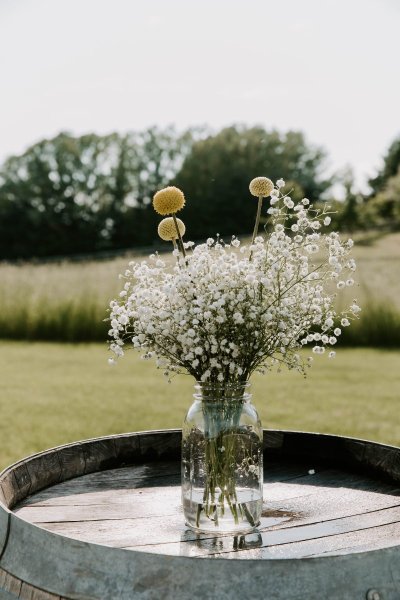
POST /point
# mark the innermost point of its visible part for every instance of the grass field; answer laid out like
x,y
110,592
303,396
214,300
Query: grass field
x,y
68,301
55,393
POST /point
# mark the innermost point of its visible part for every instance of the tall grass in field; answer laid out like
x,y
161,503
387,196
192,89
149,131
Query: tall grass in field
x,y
378,326
63,302
68,301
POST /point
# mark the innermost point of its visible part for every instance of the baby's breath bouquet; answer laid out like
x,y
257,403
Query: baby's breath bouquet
x,y
223,310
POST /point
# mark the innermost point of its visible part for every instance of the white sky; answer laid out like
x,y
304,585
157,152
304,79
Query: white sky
x,y
327,67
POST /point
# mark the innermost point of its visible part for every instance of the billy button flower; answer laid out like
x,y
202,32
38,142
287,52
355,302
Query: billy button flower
x,y
260,187
167,230
169,201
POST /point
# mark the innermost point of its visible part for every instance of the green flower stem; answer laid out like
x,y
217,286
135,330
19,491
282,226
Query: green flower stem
x,y
181,247
258,215
175,245
248,514
221,444
257,223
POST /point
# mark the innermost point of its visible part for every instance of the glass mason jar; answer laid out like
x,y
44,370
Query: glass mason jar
x,y
222,460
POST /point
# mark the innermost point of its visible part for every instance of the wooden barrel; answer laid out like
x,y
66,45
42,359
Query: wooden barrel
x,y
101,519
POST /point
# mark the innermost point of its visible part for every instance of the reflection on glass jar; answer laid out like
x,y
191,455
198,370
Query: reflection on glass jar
x,y
222,468
197,545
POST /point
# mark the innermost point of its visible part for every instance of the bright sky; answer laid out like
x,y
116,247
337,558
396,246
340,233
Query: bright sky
x,y
329,68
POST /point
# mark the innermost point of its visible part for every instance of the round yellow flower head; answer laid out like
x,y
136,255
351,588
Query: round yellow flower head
x,y
168,201
261,186
167,230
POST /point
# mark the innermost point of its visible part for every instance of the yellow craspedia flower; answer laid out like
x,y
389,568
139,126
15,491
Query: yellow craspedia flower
x,y
261,186
168,201
167,230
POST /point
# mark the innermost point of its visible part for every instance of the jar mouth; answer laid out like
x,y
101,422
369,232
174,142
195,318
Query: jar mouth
x,y
208,392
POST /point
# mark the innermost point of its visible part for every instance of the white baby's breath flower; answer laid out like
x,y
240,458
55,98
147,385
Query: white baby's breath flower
x,y
288,202
318,349
220,314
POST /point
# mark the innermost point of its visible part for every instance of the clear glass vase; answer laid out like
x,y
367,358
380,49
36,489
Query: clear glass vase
x,y
222,461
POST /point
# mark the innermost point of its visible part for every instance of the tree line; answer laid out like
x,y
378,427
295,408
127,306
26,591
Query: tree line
x,y
77,195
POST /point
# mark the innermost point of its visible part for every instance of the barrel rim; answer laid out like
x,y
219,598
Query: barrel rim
x,y
12,516
145,432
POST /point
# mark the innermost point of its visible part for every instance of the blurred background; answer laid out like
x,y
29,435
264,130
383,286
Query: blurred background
x,y
103,103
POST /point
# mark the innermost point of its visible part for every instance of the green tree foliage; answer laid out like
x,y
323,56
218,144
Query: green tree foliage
x,y
391,165
215,176
383,210
147,161
70,195
74,195
349,216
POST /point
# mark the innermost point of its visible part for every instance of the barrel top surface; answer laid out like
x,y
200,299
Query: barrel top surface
x,y
323,496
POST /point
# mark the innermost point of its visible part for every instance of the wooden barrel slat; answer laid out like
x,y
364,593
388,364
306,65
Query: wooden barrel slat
x,y
125,522
44,470
10,490
4,525
10,583
104,521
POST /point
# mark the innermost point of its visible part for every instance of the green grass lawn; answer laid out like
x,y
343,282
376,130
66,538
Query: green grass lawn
x,y
56,393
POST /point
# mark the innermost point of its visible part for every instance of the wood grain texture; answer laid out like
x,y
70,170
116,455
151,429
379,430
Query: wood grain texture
x,y
44,470
160,445
13,587
29,592
72,461
23,479
4,524
6,595
99,455
127,449
273,439
140,506
103,520
9,488
10,583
